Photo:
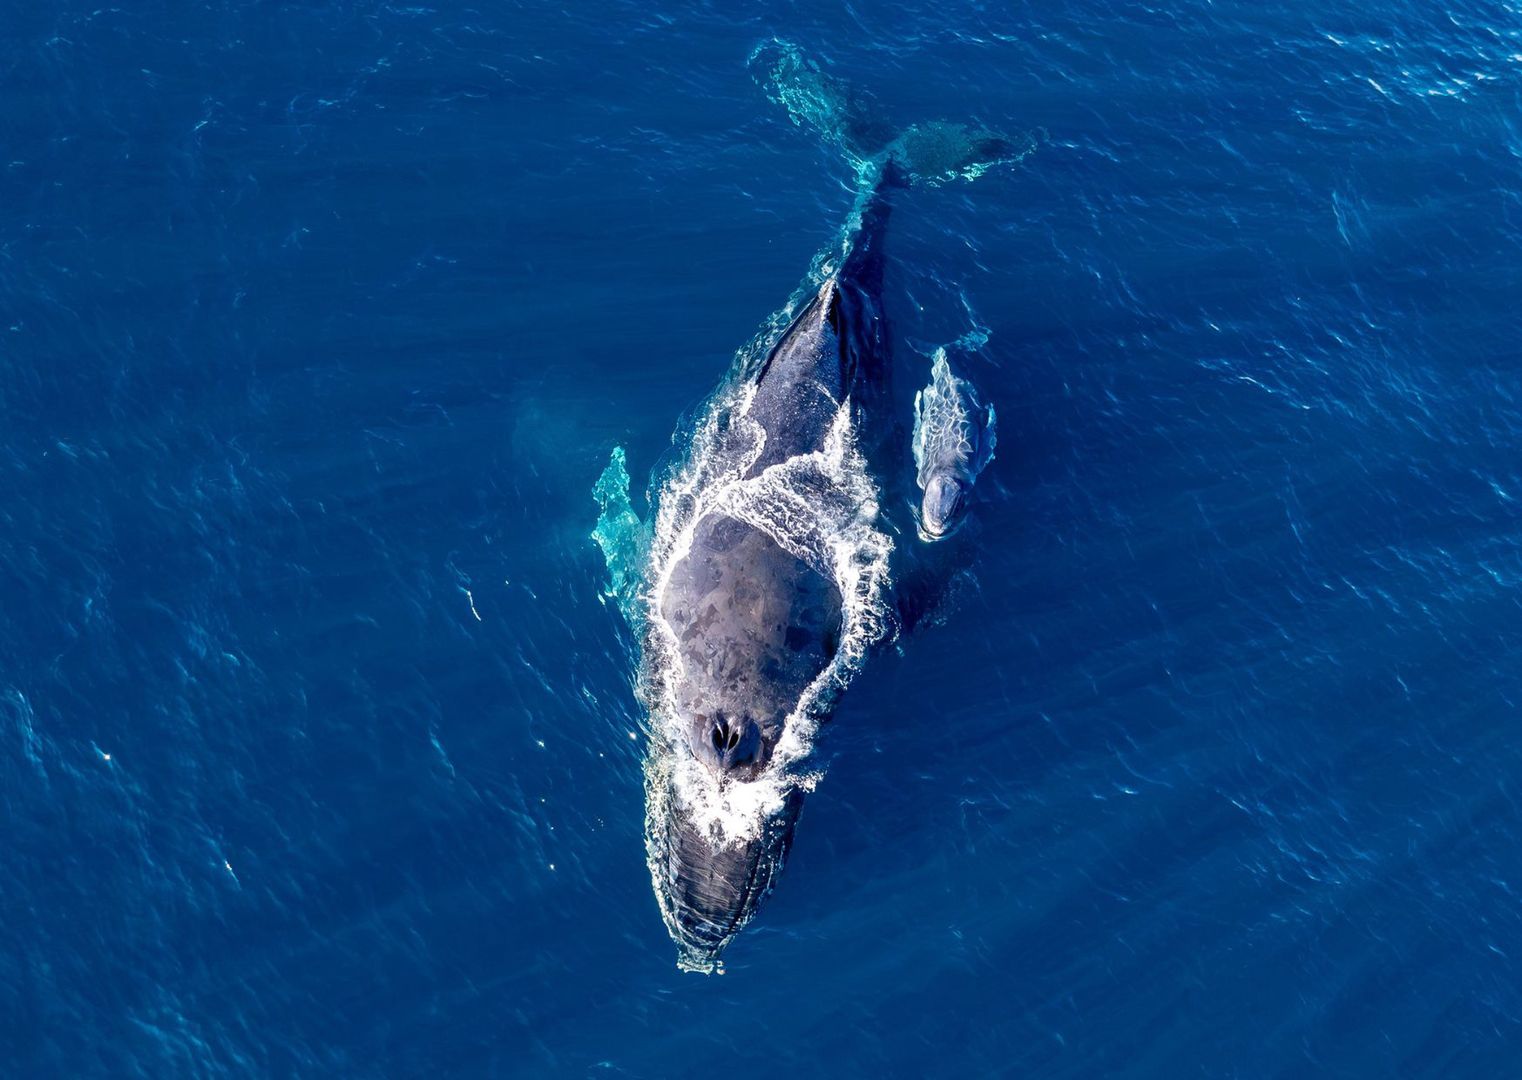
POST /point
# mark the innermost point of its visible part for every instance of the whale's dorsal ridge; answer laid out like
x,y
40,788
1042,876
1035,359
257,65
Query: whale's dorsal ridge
x,y
829,305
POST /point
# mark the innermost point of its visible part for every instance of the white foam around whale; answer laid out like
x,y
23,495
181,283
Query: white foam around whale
x,y
820,507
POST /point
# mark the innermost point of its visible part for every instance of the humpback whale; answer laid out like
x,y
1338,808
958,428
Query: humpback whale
x,y
953,442
762,582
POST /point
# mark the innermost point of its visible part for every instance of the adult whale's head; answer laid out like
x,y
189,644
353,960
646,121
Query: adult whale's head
x,y
749,627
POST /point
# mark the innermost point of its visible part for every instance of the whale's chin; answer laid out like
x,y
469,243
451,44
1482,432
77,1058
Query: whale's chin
x,y
930,534
708,887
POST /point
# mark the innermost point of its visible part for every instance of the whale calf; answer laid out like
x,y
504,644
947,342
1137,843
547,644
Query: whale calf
x,y
953,442
764,579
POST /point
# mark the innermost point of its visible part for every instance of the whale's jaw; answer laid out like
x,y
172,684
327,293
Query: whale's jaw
x,y
709,888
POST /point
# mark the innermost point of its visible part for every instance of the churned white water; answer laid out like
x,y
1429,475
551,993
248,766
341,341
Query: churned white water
x,y
820,507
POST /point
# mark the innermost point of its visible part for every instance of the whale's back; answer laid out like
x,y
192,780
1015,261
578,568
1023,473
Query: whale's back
x,y
754,625
805,380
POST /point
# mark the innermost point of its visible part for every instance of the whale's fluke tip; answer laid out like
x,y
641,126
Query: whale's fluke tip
x,y
929,153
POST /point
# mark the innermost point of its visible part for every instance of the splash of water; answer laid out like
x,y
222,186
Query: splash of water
x,y
821,508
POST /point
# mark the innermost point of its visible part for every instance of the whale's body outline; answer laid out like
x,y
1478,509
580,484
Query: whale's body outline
x,y
773,499
791,432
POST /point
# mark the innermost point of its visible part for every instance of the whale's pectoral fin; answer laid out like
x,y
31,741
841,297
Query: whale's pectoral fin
x,y
622,536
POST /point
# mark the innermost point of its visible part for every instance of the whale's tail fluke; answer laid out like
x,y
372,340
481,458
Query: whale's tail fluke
x,y
929,153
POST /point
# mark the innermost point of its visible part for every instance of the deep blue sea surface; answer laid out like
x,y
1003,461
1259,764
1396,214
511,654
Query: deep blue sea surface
x,y
319,752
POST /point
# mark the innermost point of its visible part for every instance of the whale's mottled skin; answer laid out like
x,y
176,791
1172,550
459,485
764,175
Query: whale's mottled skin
x,y
754,624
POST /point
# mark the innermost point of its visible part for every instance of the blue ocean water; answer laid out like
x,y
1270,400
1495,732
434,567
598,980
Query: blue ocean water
x,y
319,753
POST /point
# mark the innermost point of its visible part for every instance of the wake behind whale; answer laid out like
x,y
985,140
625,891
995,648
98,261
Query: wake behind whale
x,y
763,581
